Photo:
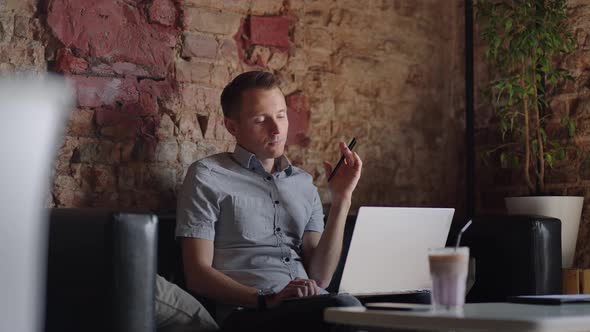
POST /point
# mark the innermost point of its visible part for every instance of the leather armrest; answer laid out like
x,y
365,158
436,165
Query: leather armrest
x,y
100,271
134,271
515,255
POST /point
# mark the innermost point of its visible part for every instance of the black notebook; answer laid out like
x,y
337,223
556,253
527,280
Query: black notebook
x,y
551,299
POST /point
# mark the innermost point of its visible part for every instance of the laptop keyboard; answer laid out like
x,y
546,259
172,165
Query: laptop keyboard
x,y
374,297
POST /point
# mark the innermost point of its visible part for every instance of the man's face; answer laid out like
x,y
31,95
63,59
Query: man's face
x,y
261,125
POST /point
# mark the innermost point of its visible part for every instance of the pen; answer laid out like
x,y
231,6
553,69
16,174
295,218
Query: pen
x,y
350,147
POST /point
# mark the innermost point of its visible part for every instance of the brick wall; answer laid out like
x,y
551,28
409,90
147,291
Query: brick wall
x,y
569,178
148,74
21,46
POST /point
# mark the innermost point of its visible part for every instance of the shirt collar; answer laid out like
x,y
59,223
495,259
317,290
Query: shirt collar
x,y
249,160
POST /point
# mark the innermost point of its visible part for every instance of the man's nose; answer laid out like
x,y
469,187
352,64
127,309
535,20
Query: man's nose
x,y
273,126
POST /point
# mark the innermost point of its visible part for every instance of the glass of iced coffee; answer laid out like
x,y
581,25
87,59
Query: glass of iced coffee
x,y
448,270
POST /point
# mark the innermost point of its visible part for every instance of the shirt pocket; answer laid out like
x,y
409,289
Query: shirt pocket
x,y
253,218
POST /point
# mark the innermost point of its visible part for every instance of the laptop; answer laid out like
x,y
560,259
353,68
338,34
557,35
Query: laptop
x,y
388,252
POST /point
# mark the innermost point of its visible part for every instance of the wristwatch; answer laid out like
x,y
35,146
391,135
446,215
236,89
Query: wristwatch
x,y
262,295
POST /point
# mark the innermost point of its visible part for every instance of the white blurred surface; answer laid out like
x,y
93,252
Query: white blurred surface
x,y
33,114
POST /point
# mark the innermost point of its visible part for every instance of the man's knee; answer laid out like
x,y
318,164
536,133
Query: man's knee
x,y
176,310
345,300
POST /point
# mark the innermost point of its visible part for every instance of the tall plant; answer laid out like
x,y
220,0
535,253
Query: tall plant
x,y
524,37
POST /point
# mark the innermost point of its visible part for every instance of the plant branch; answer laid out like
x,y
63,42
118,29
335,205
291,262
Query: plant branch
x,y
541,153
527,143
502,146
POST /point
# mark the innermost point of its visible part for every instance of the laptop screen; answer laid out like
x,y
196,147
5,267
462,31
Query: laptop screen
x,y
389,247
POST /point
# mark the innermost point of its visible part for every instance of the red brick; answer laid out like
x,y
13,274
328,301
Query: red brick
x,y
149,126
67,193
64,155
158,89
259,56
299,115
103,69
199,98
66,62
269,31
167,150
106,200
166,128
163,12
127,68
118,124
148,104
204,46
95,151
228,49
211,20
99,178
98,91
150,92
193,71
188,127
112,30
80,123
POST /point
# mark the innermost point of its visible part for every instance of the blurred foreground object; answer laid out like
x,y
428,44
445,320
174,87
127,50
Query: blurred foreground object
x,y
33,113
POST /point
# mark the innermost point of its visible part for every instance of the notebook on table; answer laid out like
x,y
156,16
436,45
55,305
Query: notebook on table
x,y
551,299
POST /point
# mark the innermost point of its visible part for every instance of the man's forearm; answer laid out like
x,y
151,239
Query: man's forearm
x,y
215,285
326,255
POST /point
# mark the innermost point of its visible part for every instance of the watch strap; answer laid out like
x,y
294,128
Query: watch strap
x,y
262,296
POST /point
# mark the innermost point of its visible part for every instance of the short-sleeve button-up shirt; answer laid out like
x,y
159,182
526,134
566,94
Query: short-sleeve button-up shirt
x,y
255,219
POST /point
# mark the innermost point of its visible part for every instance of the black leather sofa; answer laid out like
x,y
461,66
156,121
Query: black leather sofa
x,y
102,265
514,255
101,269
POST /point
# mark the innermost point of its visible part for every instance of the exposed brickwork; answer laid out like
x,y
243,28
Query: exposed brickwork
x,y
162,12
149,75
21,49
298,114
66,62
112,31
572,99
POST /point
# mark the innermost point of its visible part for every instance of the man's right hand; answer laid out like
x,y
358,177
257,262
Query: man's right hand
x,y
294,289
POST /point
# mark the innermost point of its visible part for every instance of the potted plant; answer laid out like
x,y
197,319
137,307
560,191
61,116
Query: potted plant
x,y
524,39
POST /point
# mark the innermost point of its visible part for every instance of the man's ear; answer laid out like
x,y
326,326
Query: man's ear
x,y
231,125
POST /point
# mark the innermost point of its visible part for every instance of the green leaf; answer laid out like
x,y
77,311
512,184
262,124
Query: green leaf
x,y
543,135
549,159
571,129
508,24
560,154
515,162
504,160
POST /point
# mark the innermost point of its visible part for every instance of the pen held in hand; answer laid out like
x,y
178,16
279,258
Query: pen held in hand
x,y
350,147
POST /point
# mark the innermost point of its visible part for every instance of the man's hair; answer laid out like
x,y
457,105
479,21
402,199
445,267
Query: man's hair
x,y
231,97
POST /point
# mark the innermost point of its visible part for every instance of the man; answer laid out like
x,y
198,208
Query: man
x,y
251,224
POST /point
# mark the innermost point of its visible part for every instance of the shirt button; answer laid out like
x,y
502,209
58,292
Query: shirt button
x,y
276,202
278,229
287,259
269,178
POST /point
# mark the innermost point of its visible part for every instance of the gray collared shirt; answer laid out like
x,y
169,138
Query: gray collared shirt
x,y
255,219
